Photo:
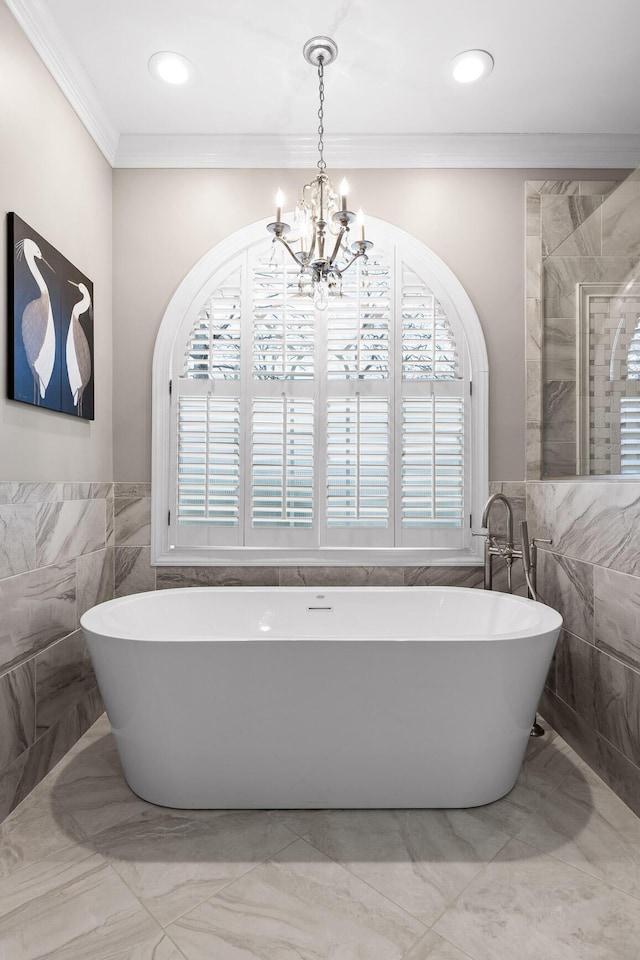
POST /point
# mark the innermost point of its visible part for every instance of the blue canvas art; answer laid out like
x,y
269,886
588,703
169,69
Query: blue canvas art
x,y
50,326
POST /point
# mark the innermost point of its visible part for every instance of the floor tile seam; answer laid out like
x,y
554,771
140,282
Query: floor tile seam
x,y
270,814
575,779
367,883
212,896
463,953
529,812
571,866
482,870
43,896
90,852
144,907
585,873
537,810
160,928
45,856
180,954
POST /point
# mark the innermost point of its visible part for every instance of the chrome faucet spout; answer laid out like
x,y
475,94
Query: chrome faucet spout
x,y
495,498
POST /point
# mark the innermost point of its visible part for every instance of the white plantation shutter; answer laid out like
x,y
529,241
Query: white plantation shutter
x,y
358,467
358,324
305,435
433,462
212,349
429,349
209,461
282,464
283,323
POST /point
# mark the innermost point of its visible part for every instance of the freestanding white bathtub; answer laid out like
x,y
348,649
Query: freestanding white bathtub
x,y
273,697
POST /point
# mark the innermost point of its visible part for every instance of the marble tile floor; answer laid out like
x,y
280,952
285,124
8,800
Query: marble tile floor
x,y
88,871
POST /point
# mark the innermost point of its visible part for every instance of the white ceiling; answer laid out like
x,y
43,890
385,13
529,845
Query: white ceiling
x,y
567,73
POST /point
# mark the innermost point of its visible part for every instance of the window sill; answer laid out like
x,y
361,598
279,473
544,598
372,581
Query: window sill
x,y
330,557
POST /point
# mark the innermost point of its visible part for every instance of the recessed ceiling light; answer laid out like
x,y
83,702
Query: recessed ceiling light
x,y
170,67
471,65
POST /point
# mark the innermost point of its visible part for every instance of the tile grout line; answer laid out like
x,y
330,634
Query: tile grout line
x,y
144,907
385,896
566,863
450,943
224,886
484,867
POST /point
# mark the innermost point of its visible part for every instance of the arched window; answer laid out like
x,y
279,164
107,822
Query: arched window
x,y
287,434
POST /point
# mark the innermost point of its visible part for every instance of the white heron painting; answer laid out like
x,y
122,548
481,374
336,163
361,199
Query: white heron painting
x,y
37,327
51,326
78,351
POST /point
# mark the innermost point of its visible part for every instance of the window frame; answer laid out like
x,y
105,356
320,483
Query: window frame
x,y
186,302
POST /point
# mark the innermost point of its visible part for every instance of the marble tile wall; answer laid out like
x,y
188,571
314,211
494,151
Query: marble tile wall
x,y
591,574
576,231
48,696
56,561
134,573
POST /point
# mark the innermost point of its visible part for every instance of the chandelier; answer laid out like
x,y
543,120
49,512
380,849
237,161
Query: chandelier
x,y
321,221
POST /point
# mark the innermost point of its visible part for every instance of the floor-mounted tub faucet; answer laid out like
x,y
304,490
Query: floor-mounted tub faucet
x,y
506,549
493,547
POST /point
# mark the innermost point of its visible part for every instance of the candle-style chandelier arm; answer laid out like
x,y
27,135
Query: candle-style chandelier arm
x,y
359,248
336,249
297,258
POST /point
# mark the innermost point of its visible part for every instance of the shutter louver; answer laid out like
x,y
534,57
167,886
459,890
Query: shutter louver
x,y
282,468
358,325
208,460
432,461
630,435
213,346
358,474
283,325
633,356
429,349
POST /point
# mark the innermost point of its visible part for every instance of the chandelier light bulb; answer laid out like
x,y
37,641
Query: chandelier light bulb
x,y
279,205
344,192
360,222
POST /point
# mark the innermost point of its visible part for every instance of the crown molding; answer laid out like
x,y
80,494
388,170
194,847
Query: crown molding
x,y
66,69
546,150
521,150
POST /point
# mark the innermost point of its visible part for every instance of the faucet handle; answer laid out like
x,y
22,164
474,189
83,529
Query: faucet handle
x,y
540,540
525,546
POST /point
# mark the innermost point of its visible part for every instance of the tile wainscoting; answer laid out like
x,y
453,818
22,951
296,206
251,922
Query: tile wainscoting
x,y
56,561
94,542
591,574
134,573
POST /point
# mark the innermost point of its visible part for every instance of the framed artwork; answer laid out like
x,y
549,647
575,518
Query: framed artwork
x,y
50,326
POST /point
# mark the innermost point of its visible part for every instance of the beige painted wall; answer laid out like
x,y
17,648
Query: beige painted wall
x,y
54,177
165,220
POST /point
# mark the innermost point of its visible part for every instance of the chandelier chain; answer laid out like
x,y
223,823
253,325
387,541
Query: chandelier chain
x,y
321,162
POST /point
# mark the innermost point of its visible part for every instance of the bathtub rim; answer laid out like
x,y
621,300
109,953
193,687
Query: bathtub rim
x,y
550,619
